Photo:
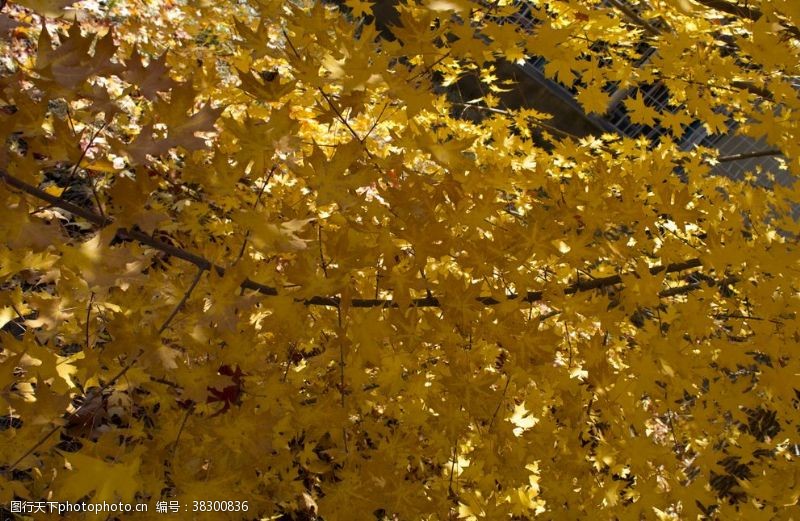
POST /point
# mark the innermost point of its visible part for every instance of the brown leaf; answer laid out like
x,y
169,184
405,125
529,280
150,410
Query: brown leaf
x,y
183,135
151,79
70,64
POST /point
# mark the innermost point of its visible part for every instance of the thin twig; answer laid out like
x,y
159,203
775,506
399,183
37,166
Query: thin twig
x,y
569,343
324,95
341,356
630,13
22,318
375,124
82,156
750,155
335,109
672,430
427,69
747,317
180,305
255,205
95,195
341,372
290,355
164,381
500,403
69,114
88,317
321,256
453,467
180,431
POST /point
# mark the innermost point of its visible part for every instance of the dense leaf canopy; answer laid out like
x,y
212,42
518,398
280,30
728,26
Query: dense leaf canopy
x,y
262,251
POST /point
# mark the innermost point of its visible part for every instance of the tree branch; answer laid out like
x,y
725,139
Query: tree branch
x,y
745,11
630,13
425,302
88,319
750,155
752,89
255,205
751,13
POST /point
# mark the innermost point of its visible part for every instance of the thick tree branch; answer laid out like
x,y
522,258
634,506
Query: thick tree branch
x,y
123,233
425,302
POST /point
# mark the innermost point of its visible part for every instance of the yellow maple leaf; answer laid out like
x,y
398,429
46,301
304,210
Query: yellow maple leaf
x,y
639,112
109,481
676,121
593,98
360,7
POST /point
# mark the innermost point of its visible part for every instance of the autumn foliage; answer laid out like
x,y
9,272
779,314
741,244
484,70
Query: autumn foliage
x,y
254,251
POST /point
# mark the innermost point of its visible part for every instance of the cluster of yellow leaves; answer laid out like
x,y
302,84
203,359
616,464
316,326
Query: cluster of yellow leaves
x,y
248,252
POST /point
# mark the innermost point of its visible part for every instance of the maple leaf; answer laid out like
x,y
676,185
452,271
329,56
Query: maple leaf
x,y
274,237
118,481
149,80
561,70
676,121
230,394
70,64
180,135
488,279
360,7
254,41
640,112
268,87
594,99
